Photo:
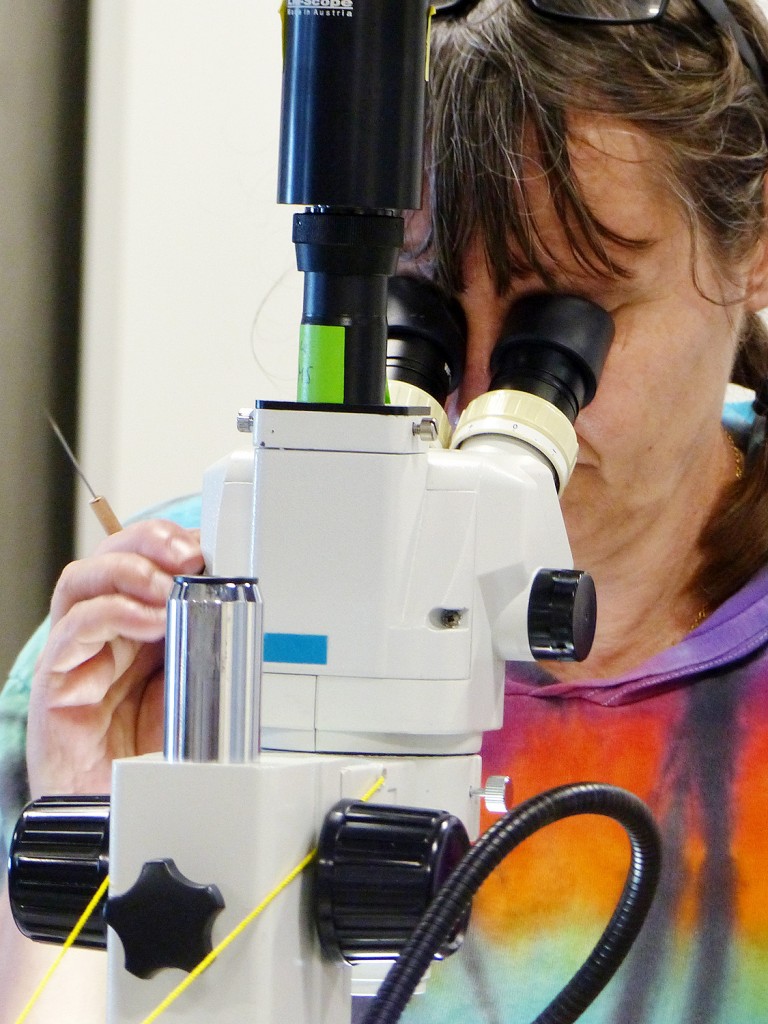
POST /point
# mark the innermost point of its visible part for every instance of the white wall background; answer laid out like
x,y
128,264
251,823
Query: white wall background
x,y
192,300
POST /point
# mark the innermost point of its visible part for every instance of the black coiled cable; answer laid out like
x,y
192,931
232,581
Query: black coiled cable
x,y
456,895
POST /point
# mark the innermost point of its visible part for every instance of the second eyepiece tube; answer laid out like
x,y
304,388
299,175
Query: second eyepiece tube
x,y
213,670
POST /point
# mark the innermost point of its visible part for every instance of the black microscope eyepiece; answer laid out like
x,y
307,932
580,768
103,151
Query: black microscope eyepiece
x,y
426,336
553,346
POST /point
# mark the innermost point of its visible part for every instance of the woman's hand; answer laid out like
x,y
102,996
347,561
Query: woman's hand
x,y
97,692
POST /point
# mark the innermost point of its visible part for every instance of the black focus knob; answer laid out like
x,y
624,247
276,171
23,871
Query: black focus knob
x,y
59,857
562,613
378,869
164,919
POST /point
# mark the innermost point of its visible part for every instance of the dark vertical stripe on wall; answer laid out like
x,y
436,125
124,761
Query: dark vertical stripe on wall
x,y
43,45
64,366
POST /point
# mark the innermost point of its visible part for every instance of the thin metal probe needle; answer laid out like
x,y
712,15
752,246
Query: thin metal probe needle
x,y
101,507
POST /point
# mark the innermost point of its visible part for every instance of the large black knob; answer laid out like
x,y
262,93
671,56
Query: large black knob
x,y
59,857
378,869
562,613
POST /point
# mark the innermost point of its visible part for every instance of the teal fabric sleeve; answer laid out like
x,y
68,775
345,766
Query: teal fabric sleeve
x,y
14,701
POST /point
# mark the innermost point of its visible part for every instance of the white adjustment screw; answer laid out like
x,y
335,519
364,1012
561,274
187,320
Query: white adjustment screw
x,y
497,792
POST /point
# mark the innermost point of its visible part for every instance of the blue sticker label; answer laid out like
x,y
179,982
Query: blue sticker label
x,y
296,648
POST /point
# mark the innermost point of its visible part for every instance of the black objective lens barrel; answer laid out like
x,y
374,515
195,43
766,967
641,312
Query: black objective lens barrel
x,y
351,142
352,120
352,307
346,260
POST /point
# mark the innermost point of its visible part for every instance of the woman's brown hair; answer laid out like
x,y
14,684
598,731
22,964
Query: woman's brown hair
x,y
505,81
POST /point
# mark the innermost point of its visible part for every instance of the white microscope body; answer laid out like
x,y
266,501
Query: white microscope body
x,y
387,567
395,577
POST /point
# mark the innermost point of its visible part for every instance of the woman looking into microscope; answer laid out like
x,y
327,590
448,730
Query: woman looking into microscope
x,y
625,163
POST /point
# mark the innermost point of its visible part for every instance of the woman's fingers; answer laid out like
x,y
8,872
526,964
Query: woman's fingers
x,y
160,540
71,749
91,624
97,690
140,561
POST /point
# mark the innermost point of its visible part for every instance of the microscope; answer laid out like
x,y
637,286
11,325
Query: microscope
x,y
369,572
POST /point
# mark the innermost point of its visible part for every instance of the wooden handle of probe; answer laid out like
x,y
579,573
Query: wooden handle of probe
x,y
109,521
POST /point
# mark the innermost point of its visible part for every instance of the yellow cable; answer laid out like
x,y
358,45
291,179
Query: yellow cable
x,y
227,940
206,961
373,789
240,928
81,923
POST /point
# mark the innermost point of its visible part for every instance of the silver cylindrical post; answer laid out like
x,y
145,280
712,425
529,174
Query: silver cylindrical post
x,y
213,670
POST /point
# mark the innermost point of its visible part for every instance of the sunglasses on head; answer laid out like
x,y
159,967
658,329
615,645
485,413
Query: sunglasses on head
x,y
628,12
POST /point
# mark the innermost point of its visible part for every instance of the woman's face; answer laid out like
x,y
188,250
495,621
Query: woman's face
x,y
656,416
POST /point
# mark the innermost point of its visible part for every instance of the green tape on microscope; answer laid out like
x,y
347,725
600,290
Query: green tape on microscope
x,y
321,363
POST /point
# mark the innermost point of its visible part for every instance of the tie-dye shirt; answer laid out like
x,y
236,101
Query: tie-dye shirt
x,y
687,732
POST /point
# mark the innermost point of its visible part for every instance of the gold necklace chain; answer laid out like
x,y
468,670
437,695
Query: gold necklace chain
x,y
738,455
